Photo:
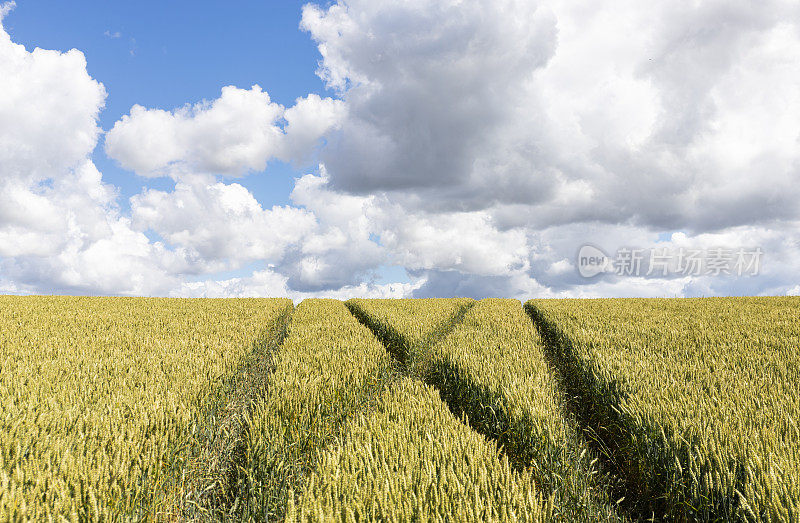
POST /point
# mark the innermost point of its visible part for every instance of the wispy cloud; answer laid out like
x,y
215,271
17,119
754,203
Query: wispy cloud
x,y
6,8
115,34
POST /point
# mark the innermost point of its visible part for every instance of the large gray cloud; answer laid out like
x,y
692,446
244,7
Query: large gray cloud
x,y
662,115
607,124
425,83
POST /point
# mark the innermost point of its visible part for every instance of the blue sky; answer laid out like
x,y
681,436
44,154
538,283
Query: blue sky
x,y
421,148
166,54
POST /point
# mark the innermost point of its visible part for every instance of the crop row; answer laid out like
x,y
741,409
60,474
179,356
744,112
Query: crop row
x,y
697,400
410,459
407,327
399,409
491,368
102,399
329,368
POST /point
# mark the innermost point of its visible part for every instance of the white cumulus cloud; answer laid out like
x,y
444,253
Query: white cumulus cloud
x,y
60,225
218,221
235,134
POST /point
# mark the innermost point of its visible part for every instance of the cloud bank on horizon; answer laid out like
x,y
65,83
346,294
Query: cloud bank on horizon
x,y
476,145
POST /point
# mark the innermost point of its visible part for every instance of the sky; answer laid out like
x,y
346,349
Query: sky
x,y
400,149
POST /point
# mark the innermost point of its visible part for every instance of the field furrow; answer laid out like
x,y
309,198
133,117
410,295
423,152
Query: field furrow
x,y
329,368
490,369
696,401
103,400
410,460
211,484
436,410
406,327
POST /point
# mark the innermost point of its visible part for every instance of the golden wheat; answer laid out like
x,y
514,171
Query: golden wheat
x,y
411,460
407,326
491,367
329,368
699,398
100,397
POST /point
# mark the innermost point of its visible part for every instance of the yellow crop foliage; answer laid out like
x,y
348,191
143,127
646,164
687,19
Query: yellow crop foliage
x,y
491,367
699,398
410,459
129,408
101,397
407,326
328,368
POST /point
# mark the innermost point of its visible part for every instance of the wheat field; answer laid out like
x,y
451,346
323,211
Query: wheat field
x,y
399,410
